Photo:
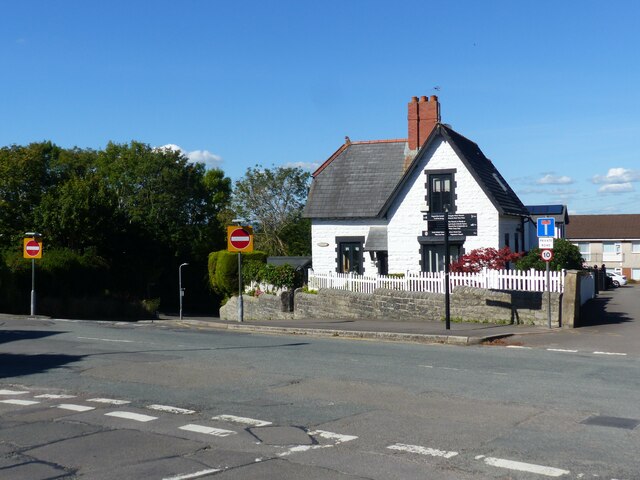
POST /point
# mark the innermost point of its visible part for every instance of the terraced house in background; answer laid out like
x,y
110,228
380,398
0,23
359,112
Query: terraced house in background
x,y
368,202
612,240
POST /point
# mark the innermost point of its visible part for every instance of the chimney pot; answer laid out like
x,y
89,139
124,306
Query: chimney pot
x,y
423,99
414,99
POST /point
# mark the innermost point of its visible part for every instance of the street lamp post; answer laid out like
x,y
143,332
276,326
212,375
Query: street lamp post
x,y
33,235
181,290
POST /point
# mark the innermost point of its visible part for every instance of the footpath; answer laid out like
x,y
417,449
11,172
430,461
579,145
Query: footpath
x,y
416,332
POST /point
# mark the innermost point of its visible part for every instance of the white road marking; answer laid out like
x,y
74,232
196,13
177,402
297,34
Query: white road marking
x,y
15,401
138,417
561,350
433,452
170,409
243,420
216,432
54,396
109,401
609,353
519,346
74,407
338,437
426,366
186,476
523,467
12,392
106,339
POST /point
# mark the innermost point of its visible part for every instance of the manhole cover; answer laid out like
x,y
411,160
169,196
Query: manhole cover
x,y
615,422
282,435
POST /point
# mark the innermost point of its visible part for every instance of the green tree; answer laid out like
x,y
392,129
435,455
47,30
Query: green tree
x,y
25,176
272,200
566,256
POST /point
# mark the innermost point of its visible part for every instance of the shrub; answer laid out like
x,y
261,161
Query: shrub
x,y
565,256
223,270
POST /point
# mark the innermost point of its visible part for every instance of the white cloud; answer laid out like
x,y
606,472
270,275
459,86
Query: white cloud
x,y
618,175
616,188
551,179
310,166
210,160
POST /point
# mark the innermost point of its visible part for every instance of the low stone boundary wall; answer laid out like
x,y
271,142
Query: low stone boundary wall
x,y
467,304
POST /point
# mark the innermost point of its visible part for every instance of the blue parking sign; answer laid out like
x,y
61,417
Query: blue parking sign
x,y
546,227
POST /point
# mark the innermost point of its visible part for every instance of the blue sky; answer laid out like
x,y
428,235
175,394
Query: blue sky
x,y
548,89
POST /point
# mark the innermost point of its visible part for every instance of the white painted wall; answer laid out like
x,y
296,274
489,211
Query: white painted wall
x,y
326,230
406,222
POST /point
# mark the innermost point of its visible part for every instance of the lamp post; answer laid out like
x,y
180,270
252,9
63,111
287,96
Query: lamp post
x,y
34,236
181,290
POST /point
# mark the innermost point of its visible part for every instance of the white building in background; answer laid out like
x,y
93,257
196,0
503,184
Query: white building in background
x,y
368,201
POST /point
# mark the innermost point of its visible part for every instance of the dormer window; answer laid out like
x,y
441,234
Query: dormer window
x,y
440,191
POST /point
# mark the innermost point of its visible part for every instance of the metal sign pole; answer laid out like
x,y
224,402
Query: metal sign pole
x,y
33,287
548,297
447,311
240,306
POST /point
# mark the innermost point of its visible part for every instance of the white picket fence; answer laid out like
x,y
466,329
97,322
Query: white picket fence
x,y
531,281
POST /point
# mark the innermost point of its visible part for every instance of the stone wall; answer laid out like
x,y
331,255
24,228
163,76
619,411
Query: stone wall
x,y
467,304
264,307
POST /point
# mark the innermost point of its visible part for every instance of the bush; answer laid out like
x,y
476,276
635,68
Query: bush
x,y
223,270
566,256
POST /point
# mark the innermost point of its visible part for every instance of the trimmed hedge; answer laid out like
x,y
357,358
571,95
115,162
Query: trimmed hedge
x,y
223,270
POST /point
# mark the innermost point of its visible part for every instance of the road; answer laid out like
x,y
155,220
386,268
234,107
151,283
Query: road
x,y
111,401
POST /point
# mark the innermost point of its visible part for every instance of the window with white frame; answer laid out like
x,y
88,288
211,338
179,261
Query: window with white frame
x,y
635,247
635,274
585,250
611,252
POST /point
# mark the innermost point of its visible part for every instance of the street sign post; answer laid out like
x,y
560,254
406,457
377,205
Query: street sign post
x,y
546,227
547,255
444,225
32,248
240,239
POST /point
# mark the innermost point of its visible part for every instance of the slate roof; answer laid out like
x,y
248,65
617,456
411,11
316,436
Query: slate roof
x,y
603,227
357,180
361,179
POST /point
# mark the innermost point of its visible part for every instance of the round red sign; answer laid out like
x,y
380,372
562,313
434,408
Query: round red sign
x,y
32,248
240,238
546,254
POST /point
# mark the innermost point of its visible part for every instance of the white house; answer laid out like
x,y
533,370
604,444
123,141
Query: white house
x,y
368,202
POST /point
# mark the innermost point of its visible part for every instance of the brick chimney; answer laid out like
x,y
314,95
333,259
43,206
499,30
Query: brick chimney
x,y
424,114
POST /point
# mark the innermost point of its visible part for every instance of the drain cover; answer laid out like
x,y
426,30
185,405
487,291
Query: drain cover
x,y
615,422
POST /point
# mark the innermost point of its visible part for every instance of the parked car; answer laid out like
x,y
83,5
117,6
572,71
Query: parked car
x,y
617,279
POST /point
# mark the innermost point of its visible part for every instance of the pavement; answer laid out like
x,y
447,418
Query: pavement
x,y
611,322
367,329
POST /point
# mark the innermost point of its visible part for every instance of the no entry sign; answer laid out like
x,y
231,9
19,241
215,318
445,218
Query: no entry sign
x,y
240,239
32,248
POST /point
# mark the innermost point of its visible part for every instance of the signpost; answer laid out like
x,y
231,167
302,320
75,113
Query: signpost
x,y
444,225
546,232
32,248
240,239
